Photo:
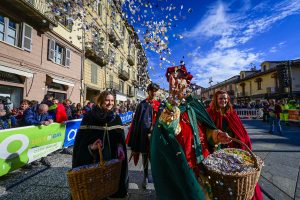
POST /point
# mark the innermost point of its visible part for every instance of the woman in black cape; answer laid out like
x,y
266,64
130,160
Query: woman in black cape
x,y
91,133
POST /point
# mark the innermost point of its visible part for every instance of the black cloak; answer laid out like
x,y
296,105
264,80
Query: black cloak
x,y
84,137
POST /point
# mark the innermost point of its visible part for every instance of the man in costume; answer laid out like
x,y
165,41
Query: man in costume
x,y
180,141
141,129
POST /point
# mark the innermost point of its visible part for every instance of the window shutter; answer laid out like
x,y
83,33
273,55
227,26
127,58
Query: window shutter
x,y
51,49
27,37
68,57
94,73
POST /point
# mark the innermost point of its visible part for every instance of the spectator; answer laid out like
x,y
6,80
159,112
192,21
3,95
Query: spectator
x,y
274,112
77,112
60,112
39,117
265,111
88,107
6,121
67,104
19,113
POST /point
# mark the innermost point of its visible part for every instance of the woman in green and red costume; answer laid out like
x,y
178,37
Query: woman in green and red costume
x,y
226,119
180,140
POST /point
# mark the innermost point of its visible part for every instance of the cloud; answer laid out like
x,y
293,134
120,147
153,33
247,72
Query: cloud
x,y
277,47
220,65
230,28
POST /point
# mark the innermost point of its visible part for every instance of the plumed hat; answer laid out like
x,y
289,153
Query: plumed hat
x,y
181,68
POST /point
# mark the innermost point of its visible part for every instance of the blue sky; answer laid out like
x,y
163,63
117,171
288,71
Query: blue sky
x,y
221,38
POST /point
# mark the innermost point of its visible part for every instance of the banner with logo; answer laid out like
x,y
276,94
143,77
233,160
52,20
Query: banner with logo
x,y
19,146
72,127
126,117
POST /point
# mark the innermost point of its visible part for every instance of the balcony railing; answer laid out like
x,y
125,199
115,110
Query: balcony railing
x,y
130,60
38,12
112,36
112,85
135,83
123,75
96,55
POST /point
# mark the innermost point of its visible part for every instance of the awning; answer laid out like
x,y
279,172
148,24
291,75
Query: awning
x,y
15,71
120,97
62,81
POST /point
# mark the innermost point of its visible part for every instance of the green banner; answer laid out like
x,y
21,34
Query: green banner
x,y
19,146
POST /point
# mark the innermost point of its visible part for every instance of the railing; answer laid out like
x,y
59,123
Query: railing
x,y
130,60
112,85
245,113
123,74
42,6
97,55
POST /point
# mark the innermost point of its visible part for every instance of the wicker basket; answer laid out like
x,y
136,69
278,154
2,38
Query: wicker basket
x,y
95,183
237,186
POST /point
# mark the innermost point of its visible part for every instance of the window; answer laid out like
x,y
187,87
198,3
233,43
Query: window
x,y
100,9
121,86
123,30
59,54
133,75
67,23
259,85
111,56
94,72
10,32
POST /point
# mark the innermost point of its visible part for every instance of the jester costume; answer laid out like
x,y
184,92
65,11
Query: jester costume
x,y
179,143
231,123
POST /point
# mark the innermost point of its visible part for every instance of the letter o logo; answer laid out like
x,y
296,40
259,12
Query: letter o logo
x,y
72,134
4,154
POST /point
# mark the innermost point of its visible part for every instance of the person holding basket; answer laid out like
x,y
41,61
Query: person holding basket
x,y
180,140
102,127
227,120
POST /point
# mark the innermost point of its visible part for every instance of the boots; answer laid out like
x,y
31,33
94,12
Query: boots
x,y
145,165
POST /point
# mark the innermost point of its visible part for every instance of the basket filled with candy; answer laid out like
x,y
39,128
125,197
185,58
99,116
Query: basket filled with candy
x,y
95,181
233,173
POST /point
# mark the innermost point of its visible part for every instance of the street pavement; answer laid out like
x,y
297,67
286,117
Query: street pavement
x,y
279,178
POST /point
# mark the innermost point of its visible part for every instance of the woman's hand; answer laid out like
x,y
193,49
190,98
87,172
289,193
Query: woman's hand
x,y
94,146
121,153
223,137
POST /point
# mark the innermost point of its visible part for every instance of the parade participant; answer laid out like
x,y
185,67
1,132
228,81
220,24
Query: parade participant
x,y
102,126
141,129
227,120
180,140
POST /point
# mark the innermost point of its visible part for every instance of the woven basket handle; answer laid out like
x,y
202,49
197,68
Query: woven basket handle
x,y
102,163
248,149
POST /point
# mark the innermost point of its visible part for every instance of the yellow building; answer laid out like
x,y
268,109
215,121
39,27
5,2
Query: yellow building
x,y
111,52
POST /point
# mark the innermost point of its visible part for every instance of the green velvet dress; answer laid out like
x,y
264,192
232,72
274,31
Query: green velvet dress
x,y
173,178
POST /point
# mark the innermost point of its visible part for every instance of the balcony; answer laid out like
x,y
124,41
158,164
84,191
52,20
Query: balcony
x,y
130,60
112,85
112,36
135,83
130,93
123,75
35,12
271,90
96,55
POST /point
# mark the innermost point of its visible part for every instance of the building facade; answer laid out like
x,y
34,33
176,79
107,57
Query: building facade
x,y
35,57
112,53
